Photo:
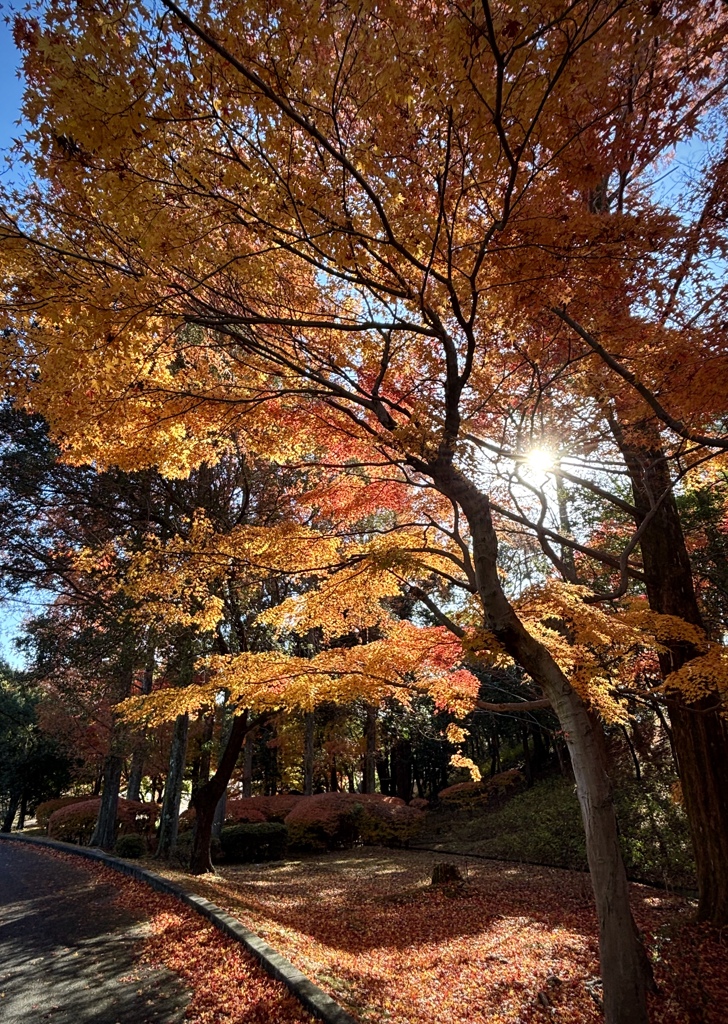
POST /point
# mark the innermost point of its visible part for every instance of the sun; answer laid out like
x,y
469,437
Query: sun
x,y
540,460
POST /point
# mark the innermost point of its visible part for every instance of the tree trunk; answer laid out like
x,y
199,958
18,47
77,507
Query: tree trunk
x,y
201,764
699,731
402,769
527,766
248,748
10,813
207,797
309,722
23,812
624,964
219,817
136,771
370,756
382,763
104,834
169,822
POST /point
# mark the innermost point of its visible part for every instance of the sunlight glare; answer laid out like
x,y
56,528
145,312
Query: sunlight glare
x,y
541,460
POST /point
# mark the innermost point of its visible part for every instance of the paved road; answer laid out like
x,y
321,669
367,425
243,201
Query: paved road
x,y
69,955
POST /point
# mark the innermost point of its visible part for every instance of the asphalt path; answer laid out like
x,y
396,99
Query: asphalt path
x,y
69,955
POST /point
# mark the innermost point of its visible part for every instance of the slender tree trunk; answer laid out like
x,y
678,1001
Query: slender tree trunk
x,y
169,822
248,748
369,784
382,762
104,834
699,732
10,813
528,767
23,811
207,797
402,769
219,817
624,964
309,724
136,771
201,767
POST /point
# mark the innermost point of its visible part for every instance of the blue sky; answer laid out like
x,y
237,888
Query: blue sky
x,y
10,87
10,97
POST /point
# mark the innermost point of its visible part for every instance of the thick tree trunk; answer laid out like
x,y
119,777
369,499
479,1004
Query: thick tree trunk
x,y
699,732
169,821
309,724
369,784
624,964
136,771
104,834
207,797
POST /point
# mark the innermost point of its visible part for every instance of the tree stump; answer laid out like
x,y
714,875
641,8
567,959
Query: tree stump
x,y
445,874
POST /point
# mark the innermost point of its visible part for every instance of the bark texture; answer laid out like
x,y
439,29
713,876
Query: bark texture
x,y
207,797
169,822
104,834
624,966
699,730
370,755
309,722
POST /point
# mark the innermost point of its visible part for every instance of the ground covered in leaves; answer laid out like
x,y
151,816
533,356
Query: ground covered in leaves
x,y
226,984
513,944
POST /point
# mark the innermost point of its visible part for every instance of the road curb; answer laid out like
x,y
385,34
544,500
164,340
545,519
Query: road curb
x,y
311,996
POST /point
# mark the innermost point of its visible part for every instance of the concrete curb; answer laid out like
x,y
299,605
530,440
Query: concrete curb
x,y
311,996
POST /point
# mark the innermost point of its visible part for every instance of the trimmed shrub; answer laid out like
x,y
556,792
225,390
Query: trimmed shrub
x,y
419,803
130,846
238,812
385,823
273,808
254,841
43,811
75,822
487,791
326,821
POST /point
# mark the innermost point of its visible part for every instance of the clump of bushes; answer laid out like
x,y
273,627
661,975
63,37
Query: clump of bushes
x,y
75,822
131,846
254,841
326,821
273,808
43,811
483,793
330,821
238,812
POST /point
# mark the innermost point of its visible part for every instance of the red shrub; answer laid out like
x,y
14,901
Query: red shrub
x,y
419,803
484,791
274,808
242,811
75,822
43,811
322,822
330,820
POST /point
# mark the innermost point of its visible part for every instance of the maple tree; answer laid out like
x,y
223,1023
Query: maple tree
x,y
355,232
